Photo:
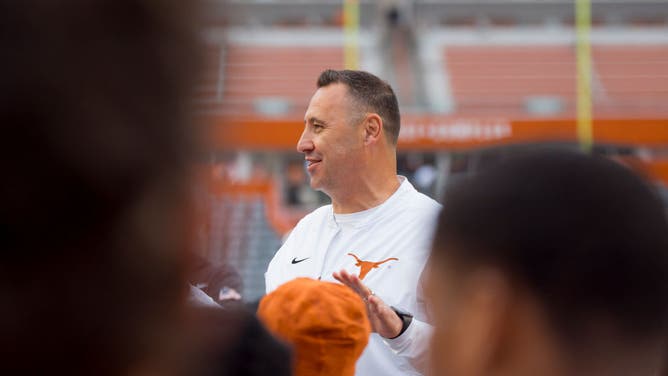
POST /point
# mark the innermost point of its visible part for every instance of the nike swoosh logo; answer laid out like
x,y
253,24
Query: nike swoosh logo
x,y
295,261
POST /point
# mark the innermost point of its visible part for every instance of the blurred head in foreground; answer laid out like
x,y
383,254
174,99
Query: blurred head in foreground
x,y
95,145
551,263
325,322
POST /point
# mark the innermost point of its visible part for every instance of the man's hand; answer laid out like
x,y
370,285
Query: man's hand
x,y
384,320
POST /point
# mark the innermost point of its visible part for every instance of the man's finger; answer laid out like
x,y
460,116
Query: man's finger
x,y
360,286
345,275
344,278
375,303
377,306
352,281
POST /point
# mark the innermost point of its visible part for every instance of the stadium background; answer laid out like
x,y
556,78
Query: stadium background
x,y
474,79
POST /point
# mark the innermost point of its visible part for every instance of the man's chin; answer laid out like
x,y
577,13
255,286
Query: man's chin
x,y
316,184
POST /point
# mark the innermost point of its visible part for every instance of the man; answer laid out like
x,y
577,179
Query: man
x,y
554,263
378,226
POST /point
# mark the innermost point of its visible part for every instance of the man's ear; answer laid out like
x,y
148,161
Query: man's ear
x,y
373,128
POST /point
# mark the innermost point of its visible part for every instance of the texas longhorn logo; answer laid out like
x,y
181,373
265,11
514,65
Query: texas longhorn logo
x,y
366,266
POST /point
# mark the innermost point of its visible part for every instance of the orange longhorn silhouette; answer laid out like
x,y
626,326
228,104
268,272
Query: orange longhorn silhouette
x,y
366,266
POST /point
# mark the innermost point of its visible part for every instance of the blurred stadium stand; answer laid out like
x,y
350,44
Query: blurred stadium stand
x,y
475,79
240,228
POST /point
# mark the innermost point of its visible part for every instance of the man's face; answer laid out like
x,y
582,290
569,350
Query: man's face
x,y
332,146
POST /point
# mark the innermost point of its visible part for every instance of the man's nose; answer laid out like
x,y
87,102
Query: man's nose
x,y
305,144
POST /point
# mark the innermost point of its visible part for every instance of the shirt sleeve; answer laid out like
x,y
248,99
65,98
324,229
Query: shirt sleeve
x,y
413,344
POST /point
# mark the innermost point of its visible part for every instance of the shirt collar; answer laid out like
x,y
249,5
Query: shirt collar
x,y
362,218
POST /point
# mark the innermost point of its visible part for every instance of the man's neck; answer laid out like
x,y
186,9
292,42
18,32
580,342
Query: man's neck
x,y
366,195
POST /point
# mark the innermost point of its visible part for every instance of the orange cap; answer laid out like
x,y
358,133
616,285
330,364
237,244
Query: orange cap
x,y
325,322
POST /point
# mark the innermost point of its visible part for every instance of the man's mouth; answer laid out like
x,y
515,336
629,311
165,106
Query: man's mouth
x,y
311,163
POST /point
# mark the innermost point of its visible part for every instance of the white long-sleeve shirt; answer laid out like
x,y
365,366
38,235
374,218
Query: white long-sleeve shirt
x,y
387,246
413,344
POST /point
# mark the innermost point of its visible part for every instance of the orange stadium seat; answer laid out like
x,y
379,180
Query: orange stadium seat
x,y
498,80
252,73
634,79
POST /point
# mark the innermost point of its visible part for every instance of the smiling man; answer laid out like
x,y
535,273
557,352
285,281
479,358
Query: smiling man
x,y
378,227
